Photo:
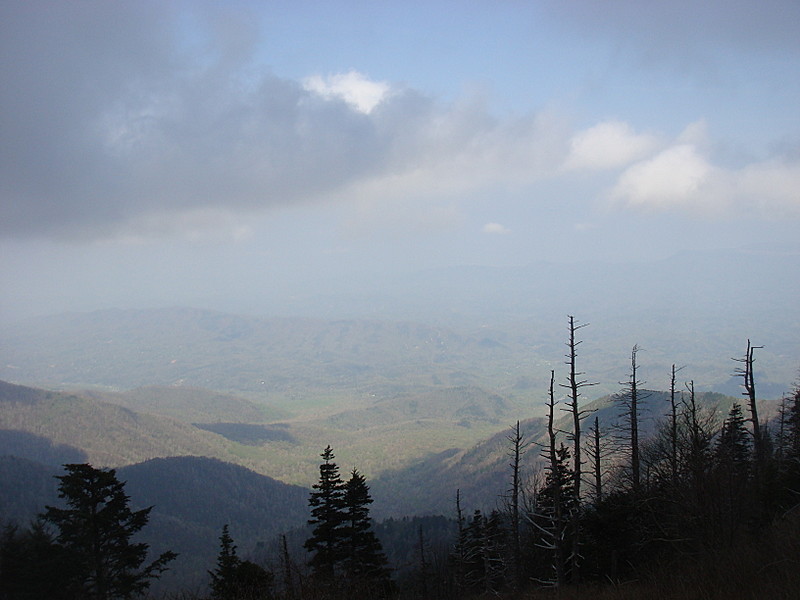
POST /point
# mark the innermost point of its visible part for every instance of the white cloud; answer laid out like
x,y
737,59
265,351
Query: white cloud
x,y
354,88
682,177
672,177
608,145
496,229
448,151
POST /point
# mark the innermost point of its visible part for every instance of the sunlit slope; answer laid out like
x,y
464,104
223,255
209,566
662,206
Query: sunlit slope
x,y
189,404
77,429
392,433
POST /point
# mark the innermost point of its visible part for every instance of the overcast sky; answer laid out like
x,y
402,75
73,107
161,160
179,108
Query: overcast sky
x,y
161,153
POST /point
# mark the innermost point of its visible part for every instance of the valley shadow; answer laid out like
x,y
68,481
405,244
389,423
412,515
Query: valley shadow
x,y
37,448
249,434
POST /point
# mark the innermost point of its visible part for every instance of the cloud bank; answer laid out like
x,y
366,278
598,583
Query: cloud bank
x,y
115,125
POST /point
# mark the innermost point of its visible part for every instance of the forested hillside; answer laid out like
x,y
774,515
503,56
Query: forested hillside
x,y
56,428
392,432
188,404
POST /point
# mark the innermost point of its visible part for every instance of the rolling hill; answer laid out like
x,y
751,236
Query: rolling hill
x,y
189,404
60,427
390,433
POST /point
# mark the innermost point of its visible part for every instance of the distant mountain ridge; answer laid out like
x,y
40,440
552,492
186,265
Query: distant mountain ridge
x,y
285,365
126,349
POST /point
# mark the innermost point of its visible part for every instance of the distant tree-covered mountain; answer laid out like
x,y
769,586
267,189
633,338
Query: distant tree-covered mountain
x,y
189,404
303,365
54,428
265,359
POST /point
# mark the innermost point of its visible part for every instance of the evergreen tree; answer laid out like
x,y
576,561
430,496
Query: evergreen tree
x,y
328,519
560,481
474,551
236,579
95,531
791,441
222,576
732,496
555,503
364,560
33,566
485,550
733,445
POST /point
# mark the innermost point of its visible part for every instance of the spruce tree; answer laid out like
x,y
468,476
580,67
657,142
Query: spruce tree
x,y
364,560
328,519
222,578
33,566
95,531
733,445
791,442
237,579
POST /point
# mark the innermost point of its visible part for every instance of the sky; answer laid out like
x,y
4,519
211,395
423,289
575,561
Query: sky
x,y
220,154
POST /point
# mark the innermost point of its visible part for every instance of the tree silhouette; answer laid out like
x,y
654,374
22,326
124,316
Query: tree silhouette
x,y
629,401
96,530
32,566
746,372
364,561
328,519
237,579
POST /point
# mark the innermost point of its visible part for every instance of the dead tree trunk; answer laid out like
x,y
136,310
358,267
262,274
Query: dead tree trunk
x,y
673,427
749,384
557,516
629,400
597,452
517,447
575,384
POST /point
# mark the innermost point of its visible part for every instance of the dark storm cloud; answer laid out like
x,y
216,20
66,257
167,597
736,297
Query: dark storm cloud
x,y
61,64
108,117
